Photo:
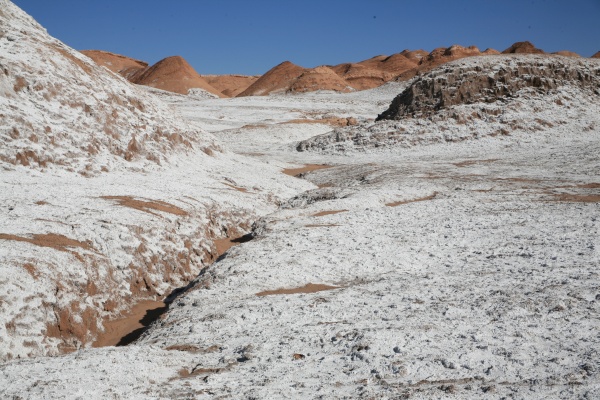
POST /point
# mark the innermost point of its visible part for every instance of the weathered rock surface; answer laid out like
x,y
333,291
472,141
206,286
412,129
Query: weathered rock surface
x,y
488,81
478,97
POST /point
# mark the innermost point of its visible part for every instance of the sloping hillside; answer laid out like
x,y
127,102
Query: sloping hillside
x,y
174,74
111,199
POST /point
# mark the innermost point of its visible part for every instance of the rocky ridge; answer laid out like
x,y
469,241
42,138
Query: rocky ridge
x,y
478,97
487,82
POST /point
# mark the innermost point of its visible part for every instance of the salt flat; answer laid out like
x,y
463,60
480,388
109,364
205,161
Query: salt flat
x,y
487,287
433,258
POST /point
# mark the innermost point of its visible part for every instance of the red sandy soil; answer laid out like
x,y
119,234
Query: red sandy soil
x,y
277,78
308,288
306,168
473,162
174,74
230,85
566,53
490,52
397,203
523,48
147,205
361,77
117,63
289,77
324,213
578,198
120,331
52,240
319,78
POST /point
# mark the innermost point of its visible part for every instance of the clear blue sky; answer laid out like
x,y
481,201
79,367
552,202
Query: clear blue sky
x,y
250,37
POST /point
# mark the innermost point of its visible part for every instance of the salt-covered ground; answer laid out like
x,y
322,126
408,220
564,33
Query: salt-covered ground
x,y
481,282
433,259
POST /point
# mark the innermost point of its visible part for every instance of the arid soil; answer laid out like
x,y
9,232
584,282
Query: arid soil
x,y
122,65
174,74
230,85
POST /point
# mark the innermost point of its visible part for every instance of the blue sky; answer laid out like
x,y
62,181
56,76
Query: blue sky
x,y
250,37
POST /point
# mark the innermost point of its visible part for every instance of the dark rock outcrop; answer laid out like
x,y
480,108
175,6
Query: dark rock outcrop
x,y
487,80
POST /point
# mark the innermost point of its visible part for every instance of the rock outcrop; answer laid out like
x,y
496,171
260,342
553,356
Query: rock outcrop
x,y
478,97
491,80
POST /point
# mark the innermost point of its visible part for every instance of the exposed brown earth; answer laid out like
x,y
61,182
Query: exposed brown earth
x,y
578,198
308,288
276,79
306,168
566,53
398,203
290,78
490,52
123,330
122,65
324,213
320,78
174,74
52,240
146,205
230,85
523,48
361,77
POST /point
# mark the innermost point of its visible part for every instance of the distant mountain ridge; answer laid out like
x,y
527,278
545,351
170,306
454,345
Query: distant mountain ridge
x,y
176,75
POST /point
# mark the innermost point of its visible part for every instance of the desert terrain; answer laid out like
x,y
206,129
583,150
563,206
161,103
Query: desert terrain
x,y
335,232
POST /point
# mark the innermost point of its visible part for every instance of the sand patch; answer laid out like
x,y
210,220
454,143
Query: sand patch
x,y
324,213
308,288
306,168
473,162
146,206
52,240
122,331
225,244
397,203
239,189
577,198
